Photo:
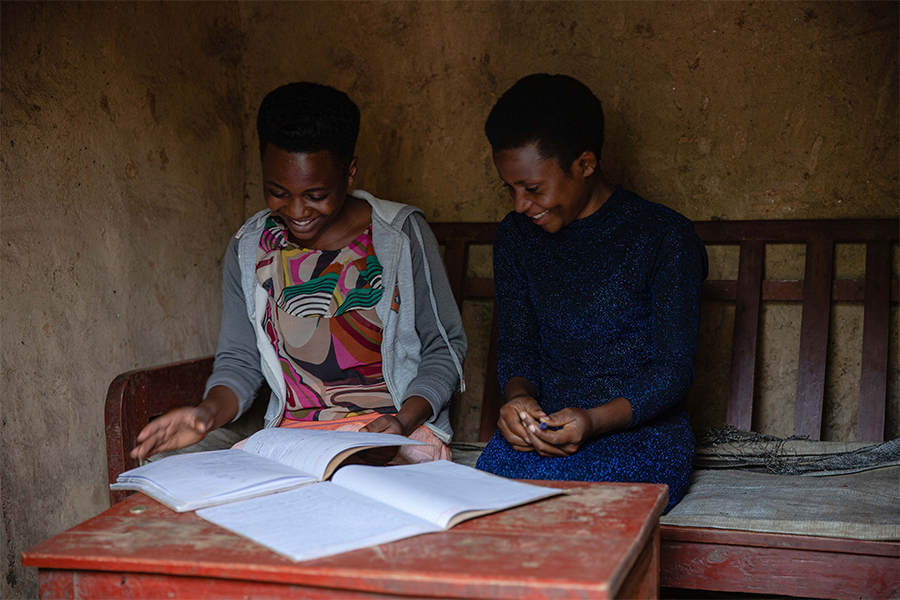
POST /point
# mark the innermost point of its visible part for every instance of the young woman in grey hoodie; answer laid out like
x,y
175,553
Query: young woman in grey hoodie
x,y
337,299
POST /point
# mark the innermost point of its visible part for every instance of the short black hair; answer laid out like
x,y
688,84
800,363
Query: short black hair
x,y
557,112
309,117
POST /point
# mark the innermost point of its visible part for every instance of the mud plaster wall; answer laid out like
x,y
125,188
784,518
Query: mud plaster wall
x,y
121,182
126,125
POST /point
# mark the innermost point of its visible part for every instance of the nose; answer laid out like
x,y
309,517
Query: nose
x,y
296,209
520,202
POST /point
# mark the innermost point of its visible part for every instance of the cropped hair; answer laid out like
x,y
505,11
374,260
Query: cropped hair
x,y
557,112
309,117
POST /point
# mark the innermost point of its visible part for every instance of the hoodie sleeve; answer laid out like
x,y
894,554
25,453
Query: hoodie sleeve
x,y
237,363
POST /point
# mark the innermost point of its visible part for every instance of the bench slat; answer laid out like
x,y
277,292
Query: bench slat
x,y
814,328
797,231
455,260
873,371
492,399
746,325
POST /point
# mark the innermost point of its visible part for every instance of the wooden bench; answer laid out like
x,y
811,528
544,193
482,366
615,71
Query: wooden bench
x,y
763,563
728,560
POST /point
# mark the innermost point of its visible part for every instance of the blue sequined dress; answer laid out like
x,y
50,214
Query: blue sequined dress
x,y
606,307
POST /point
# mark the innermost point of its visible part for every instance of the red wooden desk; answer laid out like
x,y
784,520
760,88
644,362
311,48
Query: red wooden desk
x,y
601,540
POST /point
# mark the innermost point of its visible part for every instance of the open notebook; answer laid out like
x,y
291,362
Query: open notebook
x,y
363,506
271,460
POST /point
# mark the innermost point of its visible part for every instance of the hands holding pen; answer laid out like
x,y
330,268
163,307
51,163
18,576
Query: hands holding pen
x,y
527,427
561,433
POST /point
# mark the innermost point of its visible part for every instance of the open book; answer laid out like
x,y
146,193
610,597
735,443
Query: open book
x,y
271,460
363,506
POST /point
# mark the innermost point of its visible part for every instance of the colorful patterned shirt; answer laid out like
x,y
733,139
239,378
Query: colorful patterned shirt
x,y
320,318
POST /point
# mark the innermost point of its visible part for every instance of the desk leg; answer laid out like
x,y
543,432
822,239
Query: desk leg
x,y
643,580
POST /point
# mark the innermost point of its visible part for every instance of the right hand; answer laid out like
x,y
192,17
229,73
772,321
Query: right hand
x,y
515,416
175,429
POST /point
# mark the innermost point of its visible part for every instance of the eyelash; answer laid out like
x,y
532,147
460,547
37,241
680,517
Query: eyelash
x,y
530,190
280,195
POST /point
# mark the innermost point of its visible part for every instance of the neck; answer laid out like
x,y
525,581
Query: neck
x,y
601,190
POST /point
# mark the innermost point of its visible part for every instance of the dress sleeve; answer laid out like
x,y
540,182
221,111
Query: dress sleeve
x,y
237,363
676,275
437,377
518,344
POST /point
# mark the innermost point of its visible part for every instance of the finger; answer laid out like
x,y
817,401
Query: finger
x,y
531,407
375,426
147,448
385,424
199,420
529,419
540,445
148,430
558,437
512,437
138,451
559,418
516,426
198,424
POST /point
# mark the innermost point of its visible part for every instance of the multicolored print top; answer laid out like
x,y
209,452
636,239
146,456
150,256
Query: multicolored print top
x,y
320,318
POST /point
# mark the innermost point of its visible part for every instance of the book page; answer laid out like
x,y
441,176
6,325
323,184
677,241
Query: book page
x,y
312,451
212,476
315,521
439,491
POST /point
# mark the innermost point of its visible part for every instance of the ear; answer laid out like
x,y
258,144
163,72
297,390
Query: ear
x,y
586,164
351,173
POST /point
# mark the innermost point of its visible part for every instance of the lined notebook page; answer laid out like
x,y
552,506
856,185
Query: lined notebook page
x,y
315,521
437,491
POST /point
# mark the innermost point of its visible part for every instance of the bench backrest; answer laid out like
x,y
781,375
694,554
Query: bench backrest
x,y
816,291
136,397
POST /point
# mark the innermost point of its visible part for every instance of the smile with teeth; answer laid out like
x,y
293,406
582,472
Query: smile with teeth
x,y
297,224
536,217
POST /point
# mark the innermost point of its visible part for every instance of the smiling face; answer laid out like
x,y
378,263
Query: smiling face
x,y
543,191
309,193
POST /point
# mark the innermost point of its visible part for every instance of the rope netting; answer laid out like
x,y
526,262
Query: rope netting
x,y
729,447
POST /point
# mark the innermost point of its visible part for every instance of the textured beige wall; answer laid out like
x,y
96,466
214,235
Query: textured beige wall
x,y
121,182
129,156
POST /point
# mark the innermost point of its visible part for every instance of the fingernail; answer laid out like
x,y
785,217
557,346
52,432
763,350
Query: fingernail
x,y
523,416
532,428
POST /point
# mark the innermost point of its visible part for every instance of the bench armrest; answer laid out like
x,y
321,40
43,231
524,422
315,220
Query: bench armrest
x,y
136,397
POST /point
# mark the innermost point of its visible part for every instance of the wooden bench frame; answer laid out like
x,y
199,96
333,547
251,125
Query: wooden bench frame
x,y
693,558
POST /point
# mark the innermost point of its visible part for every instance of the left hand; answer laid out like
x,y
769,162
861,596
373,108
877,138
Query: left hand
x,y
414,412
385,454
576,426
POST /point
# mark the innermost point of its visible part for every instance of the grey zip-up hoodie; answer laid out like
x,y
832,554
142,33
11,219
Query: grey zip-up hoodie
x,y
423,343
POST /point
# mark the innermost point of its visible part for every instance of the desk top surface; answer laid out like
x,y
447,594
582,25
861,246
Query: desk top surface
x,y
583,542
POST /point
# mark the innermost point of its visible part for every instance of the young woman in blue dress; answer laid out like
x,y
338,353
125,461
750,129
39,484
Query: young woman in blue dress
x,y
598,292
